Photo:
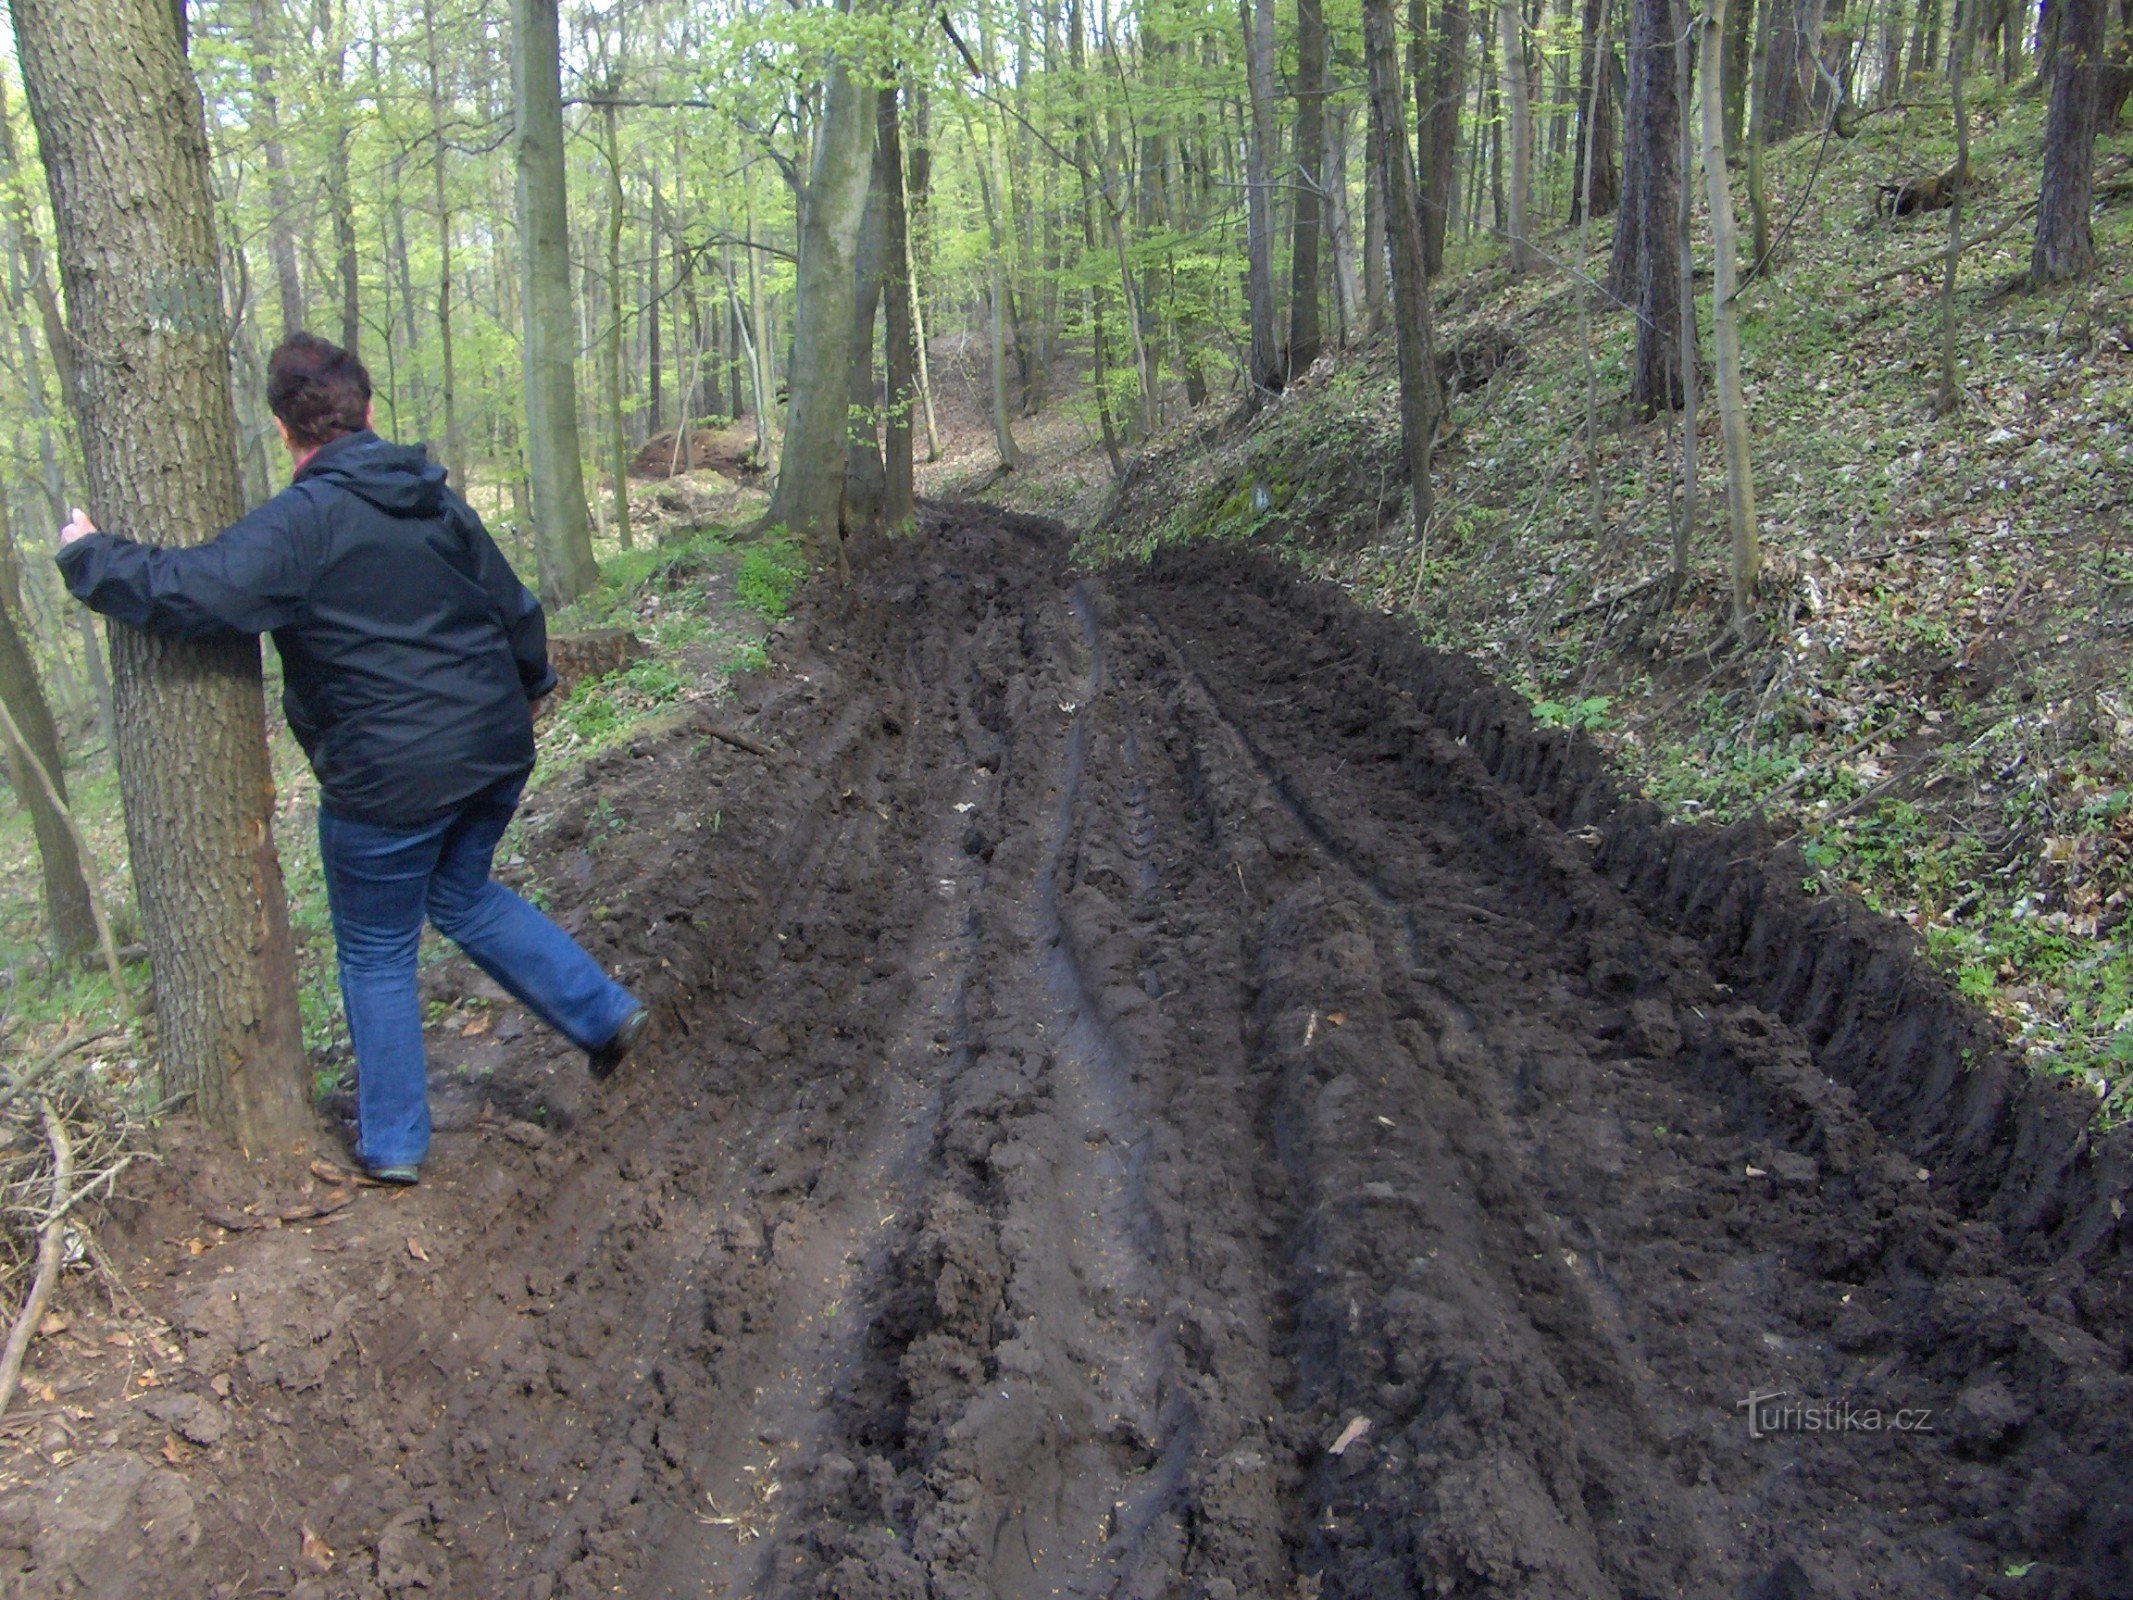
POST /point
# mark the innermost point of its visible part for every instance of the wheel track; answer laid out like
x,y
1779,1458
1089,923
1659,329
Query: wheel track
x,y
1032,1192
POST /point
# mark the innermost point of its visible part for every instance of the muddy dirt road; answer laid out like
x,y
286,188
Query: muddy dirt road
x,y
1173,1089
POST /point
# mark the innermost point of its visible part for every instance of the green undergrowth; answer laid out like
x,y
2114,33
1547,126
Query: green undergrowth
x,y
1939,710
702,605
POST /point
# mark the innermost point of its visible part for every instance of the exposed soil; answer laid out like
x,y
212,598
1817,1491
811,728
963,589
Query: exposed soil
x,y
1166,1087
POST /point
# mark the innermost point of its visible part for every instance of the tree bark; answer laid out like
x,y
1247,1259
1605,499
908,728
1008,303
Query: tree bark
x,y
1655,146
1596,127
1788,72
1626,254
1305,337
1266,372
68,914
2065,247
1340,229
809,498
1949,394
865,473
899,503
618,450
1517,95
281,203
562,528
339,190
1732,398
1421,405
120,122
454,457
1440,132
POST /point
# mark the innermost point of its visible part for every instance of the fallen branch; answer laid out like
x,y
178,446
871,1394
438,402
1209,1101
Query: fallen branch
x,y
50,1247
1939,258
50,1059
1607,602
741,741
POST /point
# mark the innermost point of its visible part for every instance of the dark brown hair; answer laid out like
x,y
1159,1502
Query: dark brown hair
x,y
319,390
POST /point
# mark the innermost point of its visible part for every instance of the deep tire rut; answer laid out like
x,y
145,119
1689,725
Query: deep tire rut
x,y
1174,1089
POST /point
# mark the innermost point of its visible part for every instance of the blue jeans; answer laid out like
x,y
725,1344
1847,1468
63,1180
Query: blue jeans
x,y
380,883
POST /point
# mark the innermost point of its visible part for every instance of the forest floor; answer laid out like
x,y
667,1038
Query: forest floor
x,y
1164,1084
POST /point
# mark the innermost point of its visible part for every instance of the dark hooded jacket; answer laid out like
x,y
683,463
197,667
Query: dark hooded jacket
x,y
410,651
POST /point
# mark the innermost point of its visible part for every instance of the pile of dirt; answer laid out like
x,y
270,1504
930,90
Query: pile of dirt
x,y
1165,1086
727,449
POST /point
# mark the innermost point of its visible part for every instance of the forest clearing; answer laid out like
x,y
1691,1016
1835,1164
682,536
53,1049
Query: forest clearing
x,y
1368,772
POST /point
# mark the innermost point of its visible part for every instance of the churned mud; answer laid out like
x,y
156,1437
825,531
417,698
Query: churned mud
x,y
1165,1087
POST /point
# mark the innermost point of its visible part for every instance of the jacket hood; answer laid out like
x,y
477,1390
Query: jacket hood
x,y
400,480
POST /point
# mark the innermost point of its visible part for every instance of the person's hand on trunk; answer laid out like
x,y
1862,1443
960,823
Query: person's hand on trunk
x,y
78,528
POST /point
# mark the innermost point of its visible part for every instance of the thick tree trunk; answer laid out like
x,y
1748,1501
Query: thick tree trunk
x,y
1655,146
1266,373
1439,134
1420,401
2064,245
1627,251
562,529
809,498
1517,95
1788,71
1732,397
900,355
1596,127
125,147
1304,335
66,887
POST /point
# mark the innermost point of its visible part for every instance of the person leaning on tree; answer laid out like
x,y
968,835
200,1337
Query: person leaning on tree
x,y
413,660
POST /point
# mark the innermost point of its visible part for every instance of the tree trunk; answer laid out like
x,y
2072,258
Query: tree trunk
x,y
68,915
899,503
562,529
1685,49
1516,89
1950,392
1374,259
1732,398
1788,71
1740,66
339,191
1654,144
1440,133
2064,246
454,458
1596,127
1420,402
618,449
1266,373
1340,230
1304,334
281,203
809,498
120,122
865,474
